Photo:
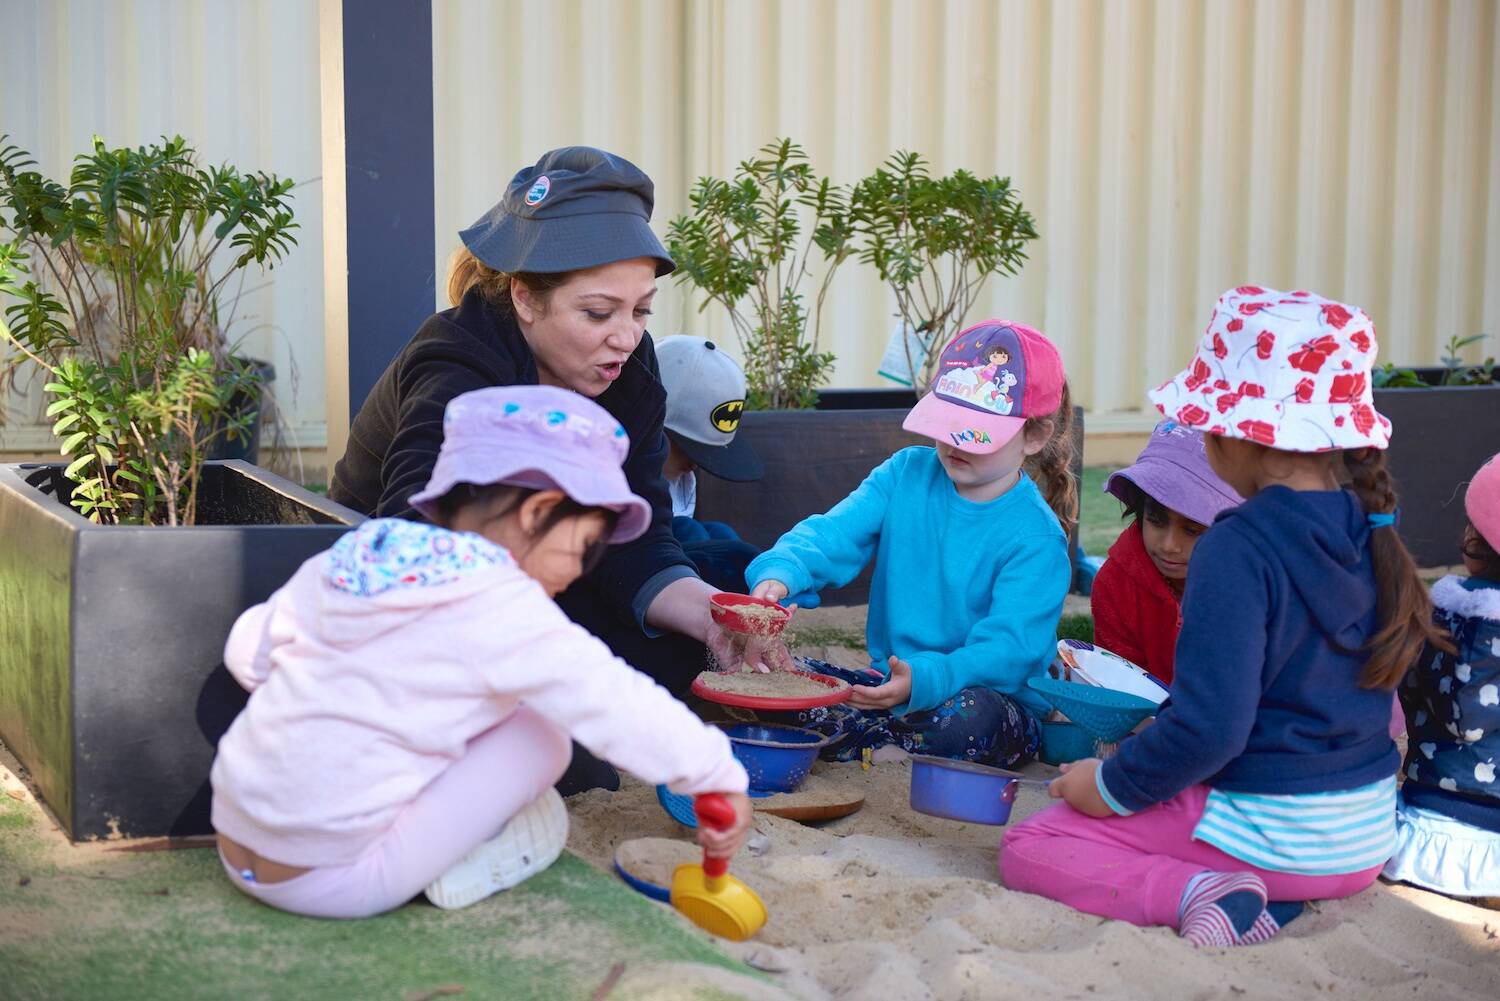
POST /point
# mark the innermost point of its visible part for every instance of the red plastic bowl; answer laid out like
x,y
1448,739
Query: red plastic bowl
x,y
728,611
838,691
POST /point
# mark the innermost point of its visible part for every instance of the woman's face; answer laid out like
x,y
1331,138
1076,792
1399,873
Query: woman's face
x,y
582,332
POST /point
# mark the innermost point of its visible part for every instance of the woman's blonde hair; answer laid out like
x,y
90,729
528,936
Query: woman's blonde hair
x,y
1052,467
466,272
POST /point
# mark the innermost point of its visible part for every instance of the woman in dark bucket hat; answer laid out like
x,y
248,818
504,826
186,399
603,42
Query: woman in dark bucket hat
x,y
552,286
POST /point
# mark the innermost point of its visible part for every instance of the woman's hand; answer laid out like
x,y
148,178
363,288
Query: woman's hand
x,y
725,842
1078,787
733,649
894,692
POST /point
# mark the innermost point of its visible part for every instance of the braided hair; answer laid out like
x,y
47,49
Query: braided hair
x,y
1404,606
1052,467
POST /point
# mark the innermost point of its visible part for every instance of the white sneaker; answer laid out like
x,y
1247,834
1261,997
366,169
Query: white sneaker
x,y
527,844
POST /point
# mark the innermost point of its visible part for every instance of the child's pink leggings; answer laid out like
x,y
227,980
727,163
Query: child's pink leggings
x,y
1135,868
504,770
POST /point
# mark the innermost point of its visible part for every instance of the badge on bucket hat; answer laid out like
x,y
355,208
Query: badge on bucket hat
x,y
577,207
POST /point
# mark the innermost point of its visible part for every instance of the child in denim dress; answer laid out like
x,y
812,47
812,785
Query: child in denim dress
x,y
1448,822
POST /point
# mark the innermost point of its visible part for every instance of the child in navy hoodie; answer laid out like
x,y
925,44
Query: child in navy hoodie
x,y
1269,777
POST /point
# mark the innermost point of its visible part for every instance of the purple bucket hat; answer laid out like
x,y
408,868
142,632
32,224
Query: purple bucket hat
x,y
539,437
1173,470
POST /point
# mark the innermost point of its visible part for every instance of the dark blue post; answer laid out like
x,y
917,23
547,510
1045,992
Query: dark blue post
x,y
388,170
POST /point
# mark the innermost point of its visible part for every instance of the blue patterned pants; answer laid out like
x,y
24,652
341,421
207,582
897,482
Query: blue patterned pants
x,y
978,724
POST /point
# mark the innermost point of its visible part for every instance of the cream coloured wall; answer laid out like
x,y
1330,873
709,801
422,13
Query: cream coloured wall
x,y
237,79
1168,148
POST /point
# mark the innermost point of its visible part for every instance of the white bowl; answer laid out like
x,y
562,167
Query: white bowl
x,y
1094,665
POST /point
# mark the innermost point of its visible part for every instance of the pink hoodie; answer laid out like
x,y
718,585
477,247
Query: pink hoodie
x,y
376,664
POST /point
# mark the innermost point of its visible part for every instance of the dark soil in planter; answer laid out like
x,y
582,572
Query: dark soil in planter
x,y
112,687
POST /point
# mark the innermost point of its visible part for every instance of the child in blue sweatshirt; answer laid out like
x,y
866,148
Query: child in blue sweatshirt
x,y
1269,776
971,565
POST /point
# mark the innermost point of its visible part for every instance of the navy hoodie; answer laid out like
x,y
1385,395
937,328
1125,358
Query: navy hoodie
x,y
1280,599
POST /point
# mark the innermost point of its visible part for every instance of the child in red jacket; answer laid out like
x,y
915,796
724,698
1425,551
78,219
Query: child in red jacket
x,y
1172,496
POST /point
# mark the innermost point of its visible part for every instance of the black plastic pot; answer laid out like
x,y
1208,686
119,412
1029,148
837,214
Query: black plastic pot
x,y
247,448
113,692
1442,435
814,459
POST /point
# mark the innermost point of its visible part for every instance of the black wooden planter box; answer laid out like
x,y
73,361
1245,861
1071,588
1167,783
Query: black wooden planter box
x,y
814,459
1442,435
112,686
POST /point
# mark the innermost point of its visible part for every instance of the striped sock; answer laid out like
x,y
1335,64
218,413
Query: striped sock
x,y
1275,917
1218,908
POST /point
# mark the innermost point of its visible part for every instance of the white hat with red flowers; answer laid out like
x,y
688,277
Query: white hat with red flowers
x,y
1285,369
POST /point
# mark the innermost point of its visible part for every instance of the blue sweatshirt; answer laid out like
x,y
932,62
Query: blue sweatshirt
x,y
1280,599
969,594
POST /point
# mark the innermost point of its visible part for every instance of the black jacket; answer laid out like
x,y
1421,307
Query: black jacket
x,y
394,440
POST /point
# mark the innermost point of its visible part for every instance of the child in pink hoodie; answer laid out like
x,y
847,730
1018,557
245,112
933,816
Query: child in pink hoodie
x,y
414,688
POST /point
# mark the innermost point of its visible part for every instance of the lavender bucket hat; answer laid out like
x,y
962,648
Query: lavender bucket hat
x,y
540,437
1173,469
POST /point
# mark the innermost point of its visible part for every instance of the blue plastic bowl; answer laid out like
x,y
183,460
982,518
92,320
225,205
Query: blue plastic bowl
x,y
1106,714
776,757
1064,741
962,790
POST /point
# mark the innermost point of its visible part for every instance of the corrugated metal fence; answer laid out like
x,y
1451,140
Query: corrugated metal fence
x,y
1168,148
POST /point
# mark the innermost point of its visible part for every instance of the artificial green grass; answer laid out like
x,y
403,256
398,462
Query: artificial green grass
x,y
168,924
1078,626
1099,522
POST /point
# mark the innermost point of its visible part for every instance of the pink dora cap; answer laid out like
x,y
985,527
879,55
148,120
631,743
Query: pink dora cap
x,y
990,378
1286,369
1482,502
539,437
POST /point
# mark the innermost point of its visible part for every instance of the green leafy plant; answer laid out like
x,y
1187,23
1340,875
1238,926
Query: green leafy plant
x,y
748,245
936,241
1456,371
113,285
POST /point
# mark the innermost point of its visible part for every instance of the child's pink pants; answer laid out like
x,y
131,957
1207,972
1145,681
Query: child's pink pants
x,y
1135,868
504,769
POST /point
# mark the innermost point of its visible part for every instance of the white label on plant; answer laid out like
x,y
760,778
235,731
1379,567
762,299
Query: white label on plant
x,y
905,348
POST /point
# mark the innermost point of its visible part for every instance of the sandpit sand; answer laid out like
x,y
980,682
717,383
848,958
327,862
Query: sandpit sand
x,y
889,903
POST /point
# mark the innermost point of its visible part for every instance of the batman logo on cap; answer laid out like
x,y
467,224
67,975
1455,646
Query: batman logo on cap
x,y
726,416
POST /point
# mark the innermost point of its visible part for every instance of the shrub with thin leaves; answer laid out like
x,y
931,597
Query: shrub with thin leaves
x,y
112,286
748,244
936,241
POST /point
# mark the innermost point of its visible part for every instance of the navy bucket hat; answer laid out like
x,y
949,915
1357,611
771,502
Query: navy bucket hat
x,y
577,207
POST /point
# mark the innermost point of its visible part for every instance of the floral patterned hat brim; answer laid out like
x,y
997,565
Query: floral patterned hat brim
x,y
1288,370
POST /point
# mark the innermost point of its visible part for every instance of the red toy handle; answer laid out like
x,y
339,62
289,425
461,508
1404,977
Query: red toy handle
x,y
714,811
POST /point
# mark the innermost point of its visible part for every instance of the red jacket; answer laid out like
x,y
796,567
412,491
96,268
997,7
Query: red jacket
x,y
1136,613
